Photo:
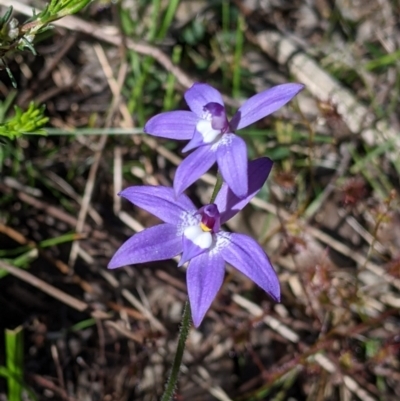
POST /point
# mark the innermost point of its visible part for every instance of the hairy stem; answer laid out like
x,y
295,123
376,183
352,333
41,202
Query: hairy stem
x,y
183,334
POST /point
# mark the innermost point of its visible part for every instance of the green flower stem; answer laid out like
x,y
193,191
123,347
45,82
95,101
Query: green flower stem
x,y
217,187
185,327
183,335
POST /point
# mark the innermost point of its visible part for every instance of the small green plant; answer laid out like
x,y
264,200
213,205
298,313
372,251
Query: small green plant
x,y
17,37
31,120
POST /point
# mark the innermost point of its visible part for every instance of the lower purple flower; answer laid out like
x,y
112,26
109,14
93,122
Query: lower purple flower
x,y
196,234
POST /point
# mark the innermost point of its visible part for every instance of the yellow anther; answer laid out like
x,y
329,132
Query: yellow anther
x,y
205,228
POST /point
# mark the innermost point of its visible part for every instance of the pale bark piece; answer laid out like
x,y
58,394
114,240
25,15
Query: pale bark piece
x,y
324,87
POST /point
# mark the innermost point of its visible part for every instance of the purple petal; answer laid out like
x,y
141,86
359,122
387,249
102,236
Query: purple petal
x,y
246,255
228,203
193,167
232,163
199,95
263,104
191,249
159,201
172,124
156,243
196,141
204,277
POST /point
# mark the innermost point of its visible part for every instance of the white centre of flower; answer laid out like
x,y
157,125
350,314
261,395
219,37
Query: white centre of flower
x,y
199,237
207,131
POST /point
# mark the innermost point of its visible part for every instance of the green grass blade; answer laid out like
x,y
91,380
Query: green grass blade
x,y
61,239
168,17
238,55
92,131
383,61
155,14
15,362
170,95
23,261
372,155
6,374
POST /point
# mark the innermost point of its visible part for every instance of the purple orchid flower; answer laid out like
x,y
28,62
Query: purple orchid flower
x,y
208,129
195,233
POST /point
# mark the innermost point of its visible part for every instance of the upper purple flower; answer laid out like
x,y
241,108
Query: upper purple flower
x,y
195,233
208,129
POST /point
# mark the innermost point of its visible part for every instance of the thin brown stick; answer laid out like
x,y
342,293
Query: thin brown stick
x,y
45,287
98,154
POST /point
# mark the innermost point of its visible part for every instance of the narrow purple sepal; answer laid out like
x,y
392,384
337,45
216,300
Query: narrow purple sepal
x,y
178,125
160,242
232,163
204,278
228,203
248,257
159,201
263,104
199,95
193,167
